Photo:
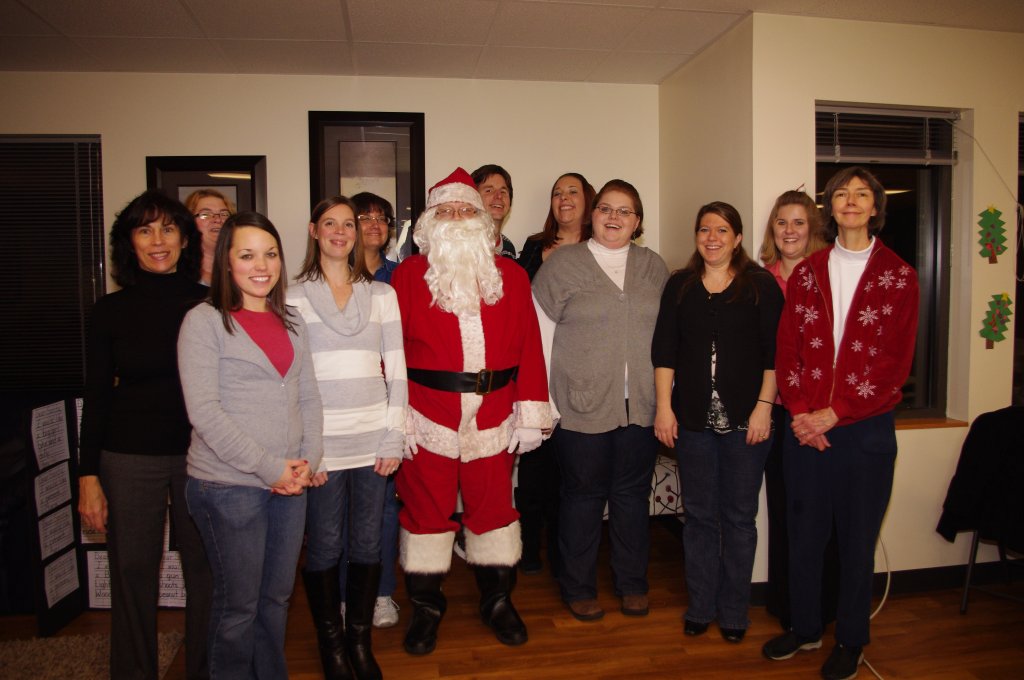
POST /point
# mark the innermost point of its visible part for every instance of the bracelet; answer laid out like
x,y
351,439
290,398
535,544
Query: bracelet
x,y
766,402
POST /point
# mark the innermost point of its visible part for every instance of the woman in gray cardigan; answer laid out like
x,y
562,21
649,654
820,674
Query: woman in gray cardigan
x,y
252,398
603,297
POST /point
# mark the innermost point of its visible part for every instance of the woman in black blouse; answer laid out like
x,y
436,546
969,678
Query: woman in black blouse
x,y
715,341
135,431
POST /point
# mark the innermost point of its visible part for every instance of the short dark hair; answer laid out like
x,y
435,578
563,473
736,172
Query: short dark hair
x,y
311,269
628,189
840,180
549,232
366,202
485,171
224,293
816,236
143,209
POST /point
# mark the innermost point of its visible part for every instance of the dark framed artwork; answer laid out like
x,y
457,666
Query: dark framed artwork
x,y
242,179
379,152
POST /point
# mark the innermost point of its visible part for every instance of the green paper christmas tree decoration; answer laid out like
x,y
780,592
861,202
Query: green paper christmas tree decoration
x,y
993,236
996,320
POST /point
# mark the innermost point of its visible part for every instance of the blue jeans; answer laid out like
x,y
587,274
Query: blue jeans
x,y
721,479
350,498
252,540
612,467
388,545
850,482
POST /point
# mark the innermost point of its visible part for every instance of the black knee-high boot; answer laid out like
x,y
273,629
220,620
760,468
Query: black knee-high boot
x,y
429,605
360,596
324,597
496,608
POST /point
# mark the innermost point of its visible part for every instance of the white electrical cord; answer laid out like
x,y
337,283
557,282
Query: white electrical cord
x,y
885,596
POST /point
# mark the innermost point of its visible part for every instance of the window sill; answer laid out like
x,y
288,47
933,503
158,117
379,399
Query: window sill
x,y
927,423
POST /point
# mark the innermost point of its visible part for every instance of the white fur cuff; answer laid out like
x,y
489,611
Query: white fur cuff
x,y
426,553
535,414
497,548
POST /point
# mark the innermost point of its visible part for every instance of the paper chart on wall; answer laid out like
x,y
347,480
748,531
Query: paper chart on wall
x,y
53,489
50,435
56,532
60,578
171,585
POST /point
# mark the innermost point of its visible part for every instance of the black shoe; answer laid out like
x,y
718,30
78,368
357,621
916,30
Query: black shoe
x,y
530,566
429,604
496,609
324,604
734,635
842,663
786,645
360,598
693,628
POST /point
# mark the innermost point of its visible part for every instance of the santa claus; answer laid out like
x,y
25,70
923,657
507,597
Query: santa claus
x,y
477,395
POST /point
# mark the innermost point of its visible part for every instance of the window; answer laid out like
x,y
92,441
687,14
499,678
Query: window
x,y
912,153
51,260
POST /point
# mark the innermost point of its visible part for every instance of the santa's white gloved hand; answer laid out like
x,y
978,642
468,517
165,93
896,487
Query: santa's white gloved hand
x,y
526,438
410,446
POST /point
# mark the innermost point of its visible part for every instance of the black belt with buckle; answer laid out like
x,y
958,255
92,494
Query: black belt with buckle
x,y
484,382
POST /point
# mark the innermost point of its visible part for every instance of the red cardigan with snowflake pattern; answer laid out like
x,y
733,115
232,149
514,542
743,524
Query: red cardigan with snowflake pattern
x,y
867,374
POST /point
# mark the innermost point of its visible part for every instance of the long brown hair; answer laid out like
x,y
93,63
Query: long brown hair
x,y
224,293
815,226
741,266
549,232
311,269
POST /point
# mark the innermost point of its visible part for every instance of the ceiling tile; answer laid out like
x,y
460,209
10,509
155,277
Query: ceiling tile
x,y
289,56
291,20
16,20
44,53
678,32
537,63
746,6
995,15
536,24
620,3
157,18
427,61
636,67
453,22
158,55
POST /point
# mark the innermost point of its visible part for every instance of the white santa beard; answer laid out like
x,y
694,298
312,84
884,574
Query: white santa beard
x,y
462,270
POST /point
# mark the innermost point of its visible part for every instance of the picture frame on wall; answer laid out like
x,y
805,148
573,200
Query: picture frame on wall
x,y
242,179
380,152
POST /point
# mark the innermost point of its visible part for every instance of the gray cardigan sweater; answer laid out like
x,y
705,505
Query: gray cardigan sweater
x,y
601,331
246,419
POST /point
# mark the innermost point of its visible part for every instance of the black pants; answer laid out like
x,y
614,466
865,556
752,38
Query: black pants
x,y
537,502
778,538
137,489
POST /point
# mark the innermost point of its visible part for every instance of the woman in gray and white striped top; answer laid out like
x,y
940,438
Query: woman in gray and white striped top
x,y
355,336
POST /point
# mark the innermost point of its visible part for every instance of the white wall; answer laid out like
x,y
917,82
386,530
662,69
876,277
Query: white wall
x,y
535,130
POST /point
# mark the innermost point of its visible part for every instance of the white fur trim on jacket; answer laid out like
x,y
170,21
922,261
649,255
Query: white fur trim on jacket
x,y
455,192
496,548
425,553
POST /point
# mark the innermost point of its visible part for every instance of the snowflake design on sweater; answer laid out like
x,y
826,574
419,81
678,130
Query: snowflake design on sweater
x,y
793,380
868,286
901,284
852,379
816,373
904,270
857,345
811,314
807,280
873,351
799,309
887,310
816,343
866,389
867,316
886,279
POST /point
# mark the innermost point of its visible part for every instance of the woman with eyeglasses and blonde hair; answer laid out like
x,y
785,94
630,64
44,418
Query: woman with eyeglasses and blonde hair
x,y
602,296
210,208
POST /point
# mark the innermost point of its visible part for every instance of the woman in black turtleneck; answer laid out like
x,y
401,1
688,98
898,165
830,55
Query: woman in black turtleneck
x,y
135,431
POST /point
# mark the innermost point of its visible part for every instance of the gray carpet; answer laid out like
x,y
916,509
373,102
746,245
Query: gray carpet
x,y
82,657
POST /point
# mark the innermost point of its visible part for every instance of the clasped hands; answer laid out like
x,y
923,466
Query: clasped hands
x,y
810,428
297,476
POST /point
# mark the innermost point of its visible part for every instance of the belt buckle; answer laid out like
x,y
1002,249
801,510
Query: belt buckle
x,y
485,377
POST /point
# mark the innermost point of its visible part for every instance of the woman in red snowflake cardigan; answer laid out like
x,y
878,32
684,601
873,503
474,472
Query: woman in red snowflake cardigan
x,y
844,349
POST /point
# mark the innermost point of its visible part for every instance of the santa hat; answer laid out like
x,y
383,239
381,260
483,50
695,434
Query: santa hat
x,y
459,187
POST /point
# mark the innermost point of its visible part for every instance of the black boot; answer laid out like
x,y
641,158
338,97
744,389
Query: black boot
x,y
496,608
324,597
429,604
360,596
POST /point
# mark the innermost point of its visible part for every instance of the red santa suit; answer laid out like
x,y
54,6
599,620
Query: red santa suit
x,y
463,437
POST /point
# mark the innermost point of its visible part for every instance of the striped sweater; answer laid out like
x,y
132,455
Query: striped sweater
x,y
360,369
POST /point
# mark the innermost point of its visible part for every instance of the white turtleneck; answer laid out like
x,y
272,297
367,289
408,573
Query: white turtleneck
x,y
845,267
611,261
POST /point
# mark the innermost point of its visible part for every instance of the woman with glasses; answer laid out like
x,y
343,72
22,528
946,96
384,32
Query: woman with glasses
x,y
602,296
210,208
135,431
355,332
375,217
714,358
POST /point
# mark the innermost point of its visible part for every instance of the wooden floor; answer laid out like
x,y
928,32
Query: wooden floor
x,y
915,636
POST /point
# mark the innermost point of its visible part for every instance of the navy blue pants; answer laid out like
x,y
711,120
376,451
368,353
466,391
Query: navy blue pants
x,y
850,483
